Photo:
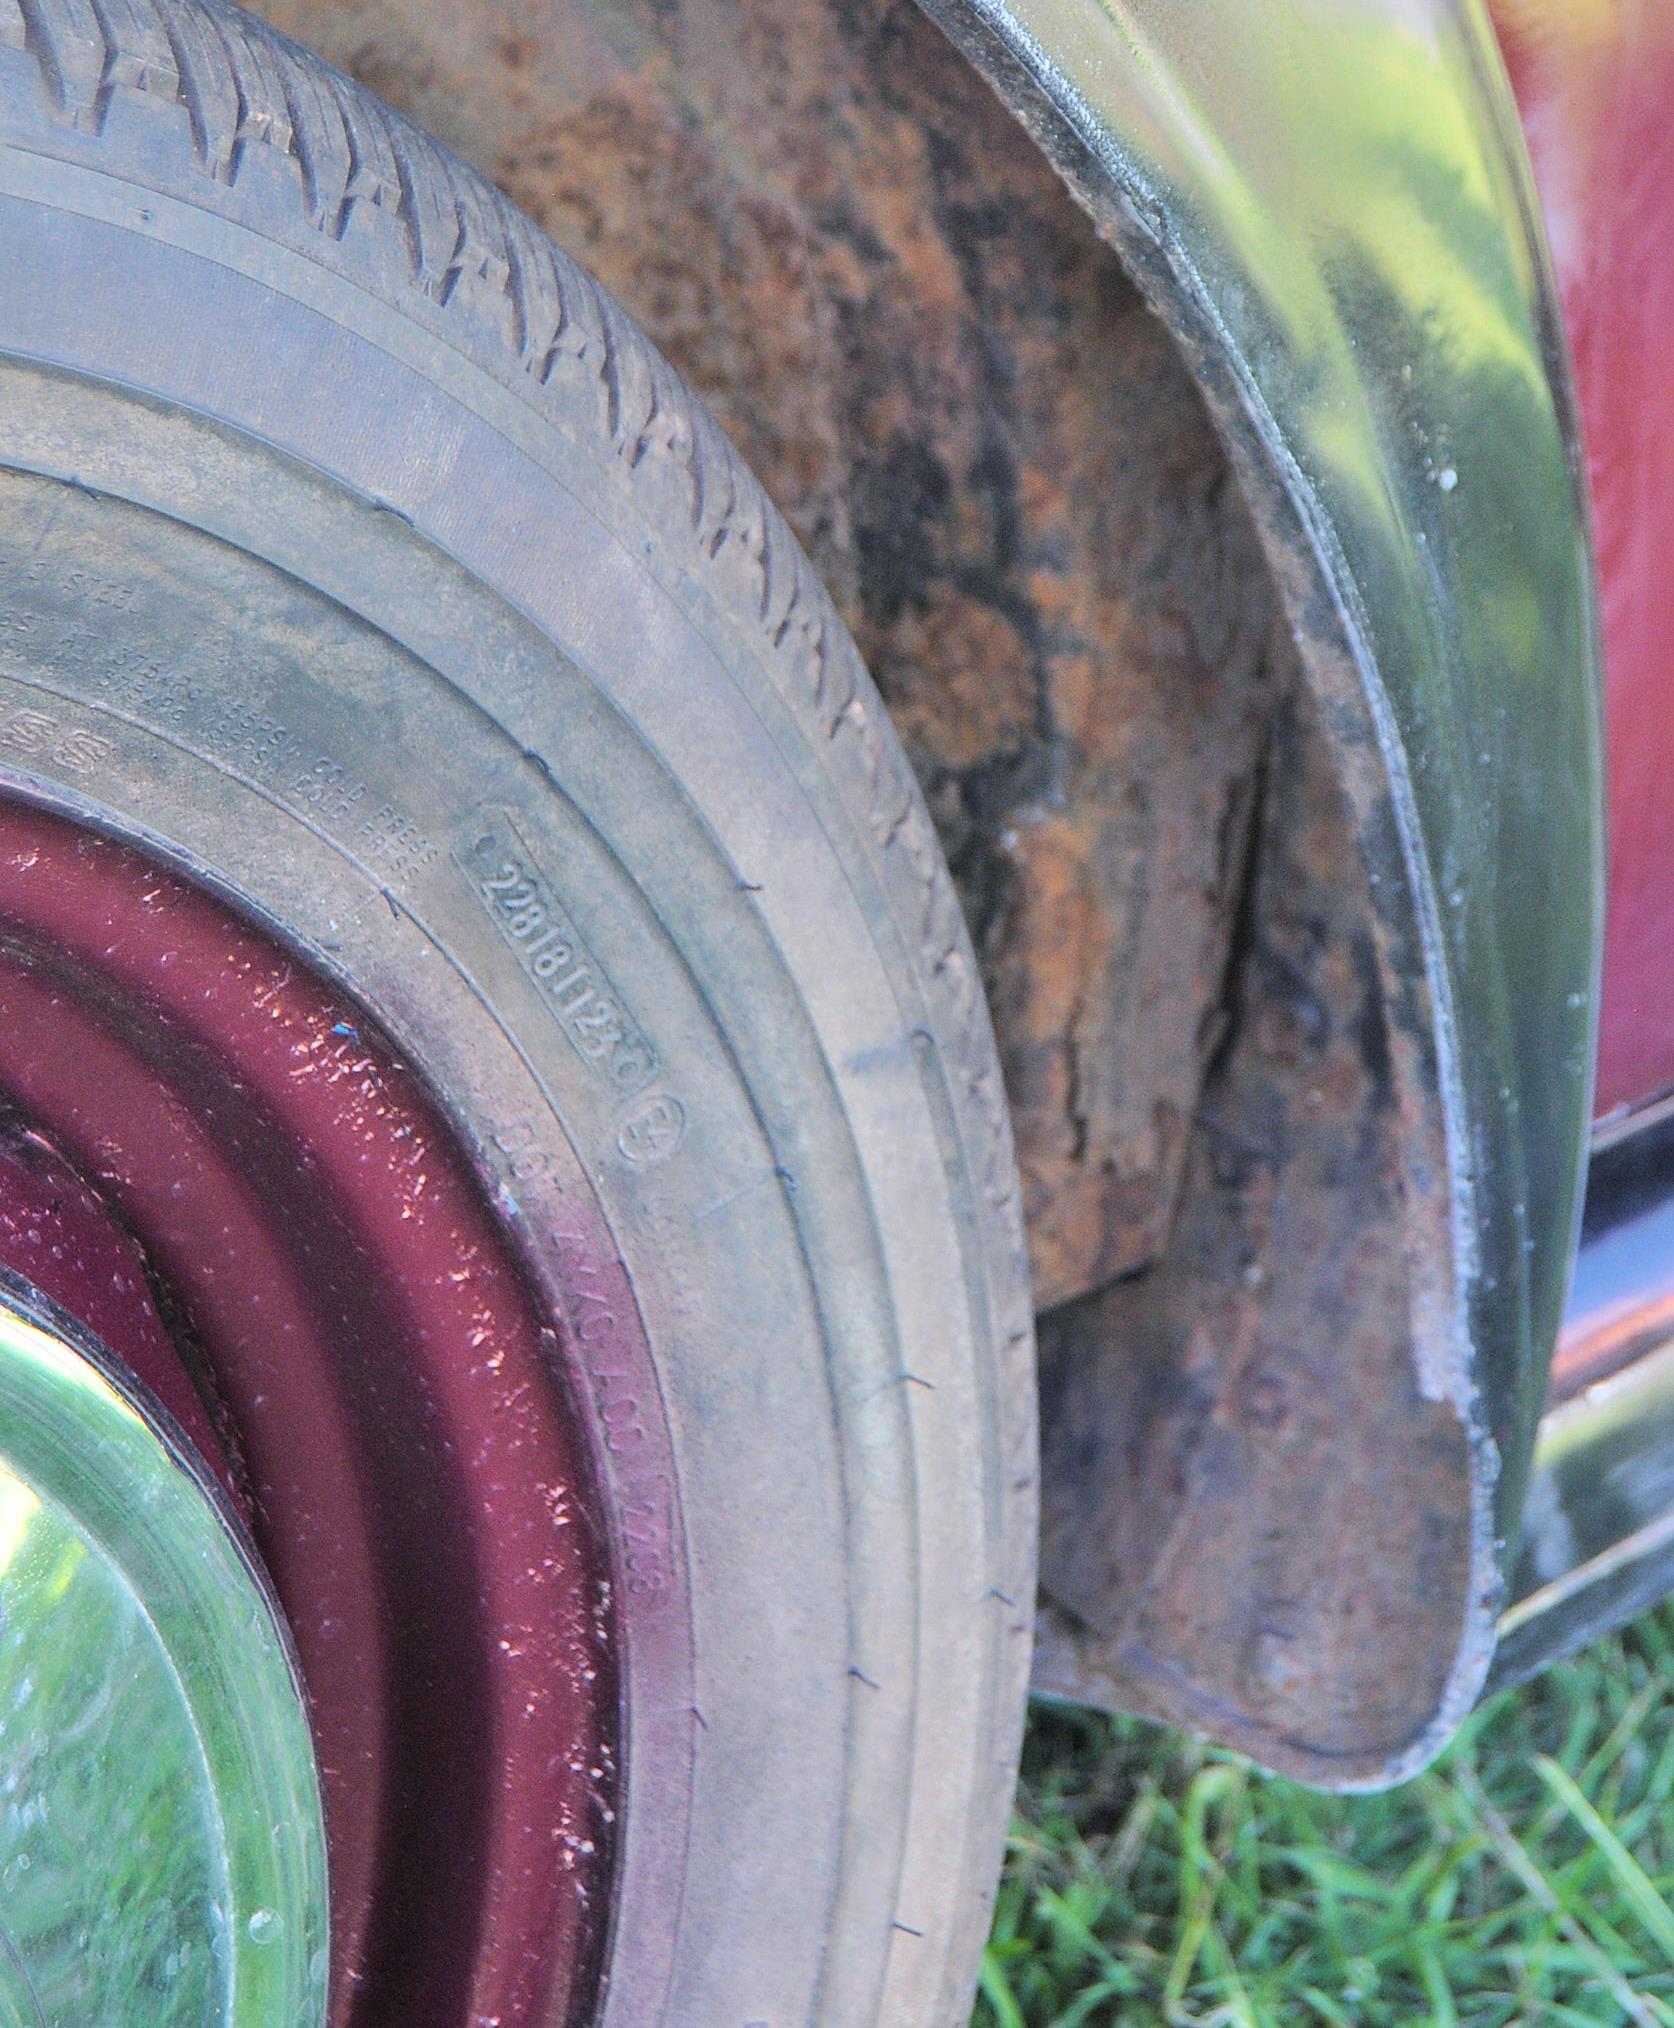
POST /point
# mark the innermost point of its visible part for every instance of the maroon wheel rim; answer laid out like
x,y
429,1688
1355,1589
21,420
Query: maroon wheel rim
x,y
302,1263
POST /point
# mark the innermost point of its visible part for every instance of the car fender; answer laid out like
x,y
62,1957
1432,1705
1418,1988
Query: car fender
x,y
1329,203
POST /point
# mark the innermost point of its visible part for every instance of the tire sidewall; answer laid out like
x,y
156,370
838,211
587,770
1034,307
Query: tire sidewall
x,y
511,643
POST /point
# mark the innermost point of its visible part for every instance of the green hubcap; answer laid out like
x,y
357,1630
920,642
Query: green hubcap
x,y
162,1847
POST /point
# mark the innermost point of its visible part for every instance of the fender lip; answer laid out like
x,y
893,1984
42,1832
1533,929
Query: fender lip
x,y
1330,207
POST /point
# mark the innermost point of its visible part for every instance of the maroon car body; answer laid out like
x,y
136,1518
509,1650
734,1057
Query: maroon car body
x,y
1595,85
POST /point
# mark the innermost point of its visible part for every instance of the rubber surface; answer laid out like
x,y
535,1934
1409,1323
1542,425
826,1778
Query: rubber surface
x,y
372,567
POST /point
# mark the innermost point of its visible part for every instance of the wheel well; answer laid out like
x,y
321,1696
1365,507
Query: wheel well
x,y
1255,1523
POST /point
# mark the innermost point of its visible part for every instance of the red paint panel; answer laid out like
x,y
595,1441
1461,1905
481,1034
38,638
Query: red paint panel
x,y
1595,81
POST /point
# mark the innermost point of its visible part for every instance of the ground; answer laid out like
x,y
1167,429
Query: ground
x,y
1528,1877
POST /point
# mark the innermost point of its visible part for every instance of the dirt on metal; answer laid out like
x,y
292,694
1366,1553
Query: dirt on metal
x,y
1254,1521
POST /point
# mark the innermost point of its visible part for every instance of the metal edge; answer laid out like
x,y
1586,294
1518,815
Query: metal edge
x,y
1598,1534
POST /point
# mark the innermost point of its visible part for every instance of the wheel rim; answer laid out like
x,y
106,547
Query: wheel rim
x,y
381,1384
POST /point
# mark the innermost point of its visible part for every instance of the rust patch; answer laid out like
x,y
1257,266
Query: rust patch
x,y
1255,1521
993,455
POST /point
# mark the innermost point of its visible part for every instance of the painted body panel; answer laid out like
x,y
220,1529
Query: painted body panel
x,y
1146,114
1329,205
1595,84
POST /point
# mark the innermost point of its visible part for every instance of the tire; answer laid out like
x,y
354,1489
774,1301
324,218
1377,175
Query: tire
x,y
361,542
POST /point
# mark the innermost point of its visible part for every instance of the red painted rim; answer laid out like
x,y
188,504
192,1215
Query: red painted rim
x,y
292,1223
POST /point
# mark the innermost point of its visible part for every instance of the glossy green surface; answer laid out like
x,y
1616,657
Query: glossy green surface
x,y
162,1854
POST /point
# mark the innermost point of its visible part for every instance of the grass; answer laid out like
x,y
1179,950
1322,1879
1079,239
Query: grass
x,y
1527,1877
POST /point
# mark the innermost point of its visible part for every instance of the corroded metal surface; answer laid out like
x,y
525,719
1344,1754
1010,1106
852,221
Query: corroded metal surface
x,y
1255,1523
996,460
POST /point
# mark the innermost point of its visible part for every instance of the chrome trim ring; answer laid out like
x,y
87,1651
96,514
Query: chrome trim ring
x,y
162,1845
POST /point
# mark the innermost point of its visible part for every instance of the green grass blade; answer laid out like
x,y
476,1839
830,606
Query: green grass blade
x,y
1653,1911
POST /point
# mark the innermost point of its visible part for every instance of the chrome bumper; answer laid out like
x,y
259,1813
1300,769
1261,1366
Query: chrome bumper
x,y
1598,1523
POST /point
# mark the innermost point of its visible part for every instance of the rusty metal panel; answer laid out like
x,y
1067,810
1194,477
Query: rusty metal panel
x,y
1330,202
1255,1523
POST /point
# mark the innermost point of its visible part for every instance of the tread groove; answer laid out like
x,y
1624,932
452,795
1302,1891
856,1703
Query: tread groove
x,y
67,42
